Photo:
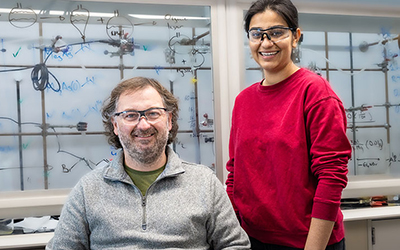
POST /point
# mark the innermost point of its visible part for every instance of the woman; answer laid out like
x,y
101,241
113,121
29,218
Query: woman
x,y
288,145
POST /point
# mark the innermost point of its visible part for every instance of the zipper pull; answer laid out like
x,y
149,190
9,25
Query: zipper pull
x,y
144,224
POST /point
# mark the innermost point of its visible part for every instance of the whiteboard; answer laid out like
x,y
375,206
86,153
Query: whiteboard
x,y
40,145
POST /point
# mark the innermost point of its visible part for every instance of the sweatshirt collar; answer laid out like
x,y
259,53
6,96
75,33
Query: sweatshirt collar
x,y
115,170
279,85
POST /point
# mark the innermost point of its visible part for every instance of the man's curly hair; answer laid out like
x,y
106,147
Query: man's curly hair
x,y
132,85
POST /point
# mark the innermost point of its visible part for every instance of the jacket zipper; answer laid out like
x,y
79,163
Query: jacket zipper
x,y
144,223
144,203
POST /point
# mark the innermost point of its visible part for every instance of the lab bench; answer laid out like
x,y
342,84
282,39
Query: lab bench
x,y
357,222
363,225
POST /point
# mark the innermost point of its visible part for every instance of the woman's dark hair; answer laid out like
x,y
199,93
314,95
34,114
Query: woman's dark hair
x,y
131,85
284,8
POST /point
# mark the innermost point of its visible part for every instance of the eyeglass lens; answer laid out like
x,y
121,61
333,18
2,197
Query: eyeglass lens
x,y
133,116
275,34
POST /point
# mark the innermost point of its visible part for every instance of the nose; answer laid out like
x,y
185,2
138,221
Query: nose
x,y
143,123
265,37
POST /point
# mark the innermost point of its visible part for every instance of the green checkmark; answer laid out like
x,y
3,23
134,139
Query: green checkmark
x,y
25,145
16,54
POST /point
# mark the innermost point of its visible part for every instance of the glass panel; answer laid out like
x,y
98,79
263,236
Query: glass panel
x,y
51,130
360,58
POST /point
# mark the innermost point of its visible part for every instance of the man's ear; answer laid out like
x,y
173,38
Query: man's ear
x,y
169,121
115,125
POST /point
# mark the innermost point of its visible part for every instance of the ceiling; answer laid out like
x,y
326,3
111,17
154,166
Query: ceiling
x,y
374,2
370,16
384,8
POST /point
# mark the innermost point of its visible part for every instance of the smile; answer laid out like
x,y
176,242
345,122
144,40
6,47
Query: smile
x,y
269,53
144,135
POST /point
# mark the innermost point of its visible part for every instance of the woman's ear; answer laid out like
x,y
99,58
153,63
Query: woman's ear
x,y
296,37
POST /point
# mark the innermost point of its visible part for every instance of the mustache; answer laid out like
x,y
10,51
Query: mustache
x,y
140,132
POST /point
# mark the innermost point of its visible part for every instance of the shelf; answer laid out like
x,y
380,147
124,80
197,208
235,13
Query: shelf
x,y
373,213
371,185
21,204
24,240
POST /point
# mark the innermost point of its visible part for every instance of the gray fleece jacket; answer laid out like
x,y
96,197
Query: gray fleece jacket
x,y
185,208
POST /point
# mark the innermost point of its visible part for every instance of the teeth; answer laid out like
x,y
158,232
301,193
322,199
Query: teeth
x,y
144,135
268,54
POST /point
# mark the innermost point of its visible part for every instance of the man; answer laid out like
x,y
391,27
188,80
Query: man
x,y
147,198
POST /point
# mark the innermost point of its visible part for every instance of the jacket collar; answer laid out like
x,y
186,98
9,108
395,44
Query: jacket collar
x,y
115,170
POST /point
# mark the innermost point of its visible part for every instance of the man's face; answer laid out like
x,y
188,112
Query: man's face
x,y
142,141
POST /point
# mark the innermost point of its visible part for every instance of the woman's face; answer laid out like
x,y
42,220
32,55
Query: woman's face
x,y
272,57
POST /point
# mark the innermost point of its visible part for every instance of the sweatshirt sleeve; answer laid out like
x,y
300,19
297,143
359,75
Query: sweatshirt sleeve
x,y
72,231
224,229
330,150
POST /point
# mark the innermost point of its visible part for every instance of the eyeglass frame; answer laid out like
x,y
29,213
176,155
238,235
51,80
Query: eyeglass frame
x,y
264,32
141,114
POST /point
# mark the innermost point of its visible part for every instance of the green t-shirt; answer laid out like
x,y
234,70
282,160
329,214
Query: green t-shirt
x,y
143,179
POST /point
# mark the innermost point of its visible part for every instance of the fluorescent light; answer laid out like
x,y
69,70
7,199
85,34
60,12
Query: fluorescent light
x,y
168,17
94,14
20,11
146,16
56,12
2,10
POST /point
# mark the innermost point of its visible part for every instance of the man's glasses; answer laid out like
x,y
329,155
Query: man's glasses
x,y
152,115
274,34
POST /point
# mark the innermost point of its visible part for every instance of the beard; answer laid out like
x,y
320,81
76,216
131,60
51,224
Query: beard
x,y
145,151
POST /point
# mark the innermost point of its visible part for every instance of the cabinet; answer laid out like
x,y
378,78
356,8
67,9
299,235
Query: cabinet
x,y
373,234
356,235
374,228
385,234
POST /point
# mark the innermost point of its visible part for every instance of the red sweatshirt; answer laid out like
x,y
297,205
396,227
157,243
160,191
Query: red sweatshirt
x,y
288,159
